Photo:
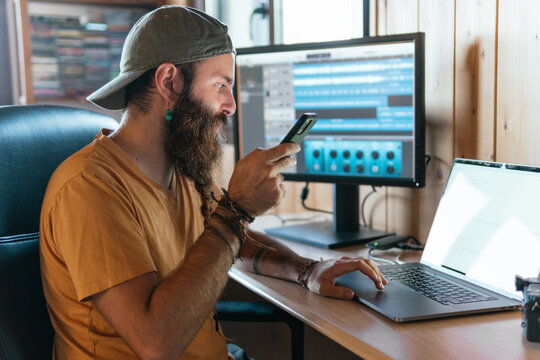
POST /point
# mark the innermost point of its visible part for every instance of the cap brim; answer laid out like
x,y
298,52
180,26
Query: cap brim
x,y
112,95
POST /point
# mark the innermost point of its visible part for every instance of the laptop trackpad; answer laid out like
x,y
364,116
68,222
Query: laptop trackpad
x,y
396,301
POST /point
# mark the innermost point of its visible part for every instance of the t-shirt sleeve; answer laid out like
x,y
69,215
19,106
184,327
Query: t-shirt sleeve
x,y
97,233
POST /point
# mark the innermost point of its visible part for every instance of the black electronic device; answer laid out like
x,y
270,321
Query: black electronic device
x,y
530,306
368,94
301,128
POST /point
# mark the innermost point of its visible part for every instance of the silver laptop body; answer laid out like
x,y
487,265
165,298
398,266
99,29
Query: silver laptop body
x,y
486,230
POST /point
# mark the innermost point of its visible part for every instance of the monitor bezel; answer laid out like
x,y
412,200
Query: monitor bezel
x,y
419,109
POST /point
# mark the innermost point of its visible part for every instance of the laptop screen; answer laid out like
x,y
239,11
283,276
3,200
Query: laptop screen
x,y
487,224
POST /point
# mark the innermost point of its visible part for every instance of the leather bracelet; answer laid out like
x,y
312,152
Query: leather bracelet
x,y
237,227
226,202
303,270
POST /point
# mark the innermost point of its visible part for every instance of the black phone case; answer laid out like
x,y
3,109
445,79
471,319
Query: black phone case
x,y
301,128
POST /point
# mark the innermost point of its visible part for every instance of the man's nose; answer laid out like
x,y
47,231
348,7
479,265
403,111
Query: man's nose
x,y
228,107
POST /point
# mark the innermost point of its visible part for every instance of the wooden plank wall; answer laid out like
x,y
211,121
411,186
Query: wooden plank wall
x,y
482,88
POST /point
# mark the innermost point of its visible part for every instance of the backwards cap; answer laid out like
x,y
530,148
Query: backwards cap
x,y
171,33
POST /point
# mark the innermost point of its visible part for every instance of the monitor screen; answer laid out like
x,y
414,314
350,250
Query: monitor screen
x,y
368,94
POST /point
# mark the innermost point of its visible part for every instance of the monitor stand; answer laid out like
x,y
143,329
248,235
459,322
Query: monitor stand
x,y
345,230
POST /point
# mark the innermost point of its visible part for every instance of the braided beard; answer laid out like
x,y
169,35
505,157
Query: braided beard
x,y
194,145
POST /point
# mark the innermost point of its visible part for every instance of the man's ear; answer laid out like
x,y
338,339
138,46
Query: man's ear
x,y
169,82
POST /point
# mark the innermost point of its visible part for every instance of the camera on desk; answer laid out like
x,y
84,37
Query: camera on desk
x,y
530,306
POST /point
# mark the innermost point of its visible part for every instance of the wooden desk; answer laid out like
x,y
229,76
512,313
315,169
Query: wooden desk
x,y
373,336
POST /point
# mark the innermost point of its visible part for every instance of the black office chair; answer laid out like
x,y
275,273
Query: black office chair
x,y
34,140
262,311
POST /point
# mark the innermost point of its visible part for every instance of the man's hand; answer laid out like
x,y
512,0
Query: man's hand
x,y
323,277
256,183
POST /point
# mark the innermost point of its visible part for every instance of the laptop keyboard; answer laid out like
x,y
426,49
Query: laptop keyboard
x,y
433,286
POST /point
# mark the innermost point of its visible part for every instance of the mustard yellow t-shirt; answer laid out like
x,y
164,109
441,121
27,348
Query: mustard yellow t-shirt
x,y
104,222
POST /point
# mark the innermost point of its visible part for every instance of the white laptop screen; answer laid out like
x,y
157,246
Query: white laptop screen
x,y
487,225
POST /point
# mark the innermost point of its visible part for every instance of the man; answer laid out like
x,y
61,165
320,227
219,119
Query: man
x,y
134,252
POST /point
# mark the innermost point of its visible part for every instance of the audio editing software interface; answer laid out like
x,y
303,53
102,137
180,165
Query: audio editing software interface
x,y
363,96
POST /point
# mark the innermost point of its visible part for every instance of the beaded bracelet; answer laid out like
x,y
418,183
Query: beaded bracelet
x,y
303,269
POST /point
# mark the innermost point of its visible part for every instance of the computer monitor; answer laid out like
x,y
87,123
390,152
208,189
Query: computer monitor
x,y
368,94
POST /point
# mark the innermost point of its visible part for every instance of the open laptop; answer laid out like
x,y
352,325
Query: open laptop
x,y
485,231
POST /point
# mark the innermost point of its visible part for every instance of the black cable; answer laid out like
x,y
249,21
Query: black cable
x,y
428,159
401,245
364,203
261,10
303,197
415,240
405,246
284,221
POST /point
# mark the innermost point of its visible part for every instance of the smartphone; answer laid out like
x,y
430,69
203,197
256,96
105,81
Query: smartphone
x,y
300,128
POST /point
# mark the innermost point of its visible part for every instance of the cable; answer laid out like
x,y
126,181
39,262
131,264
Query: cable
x,y
428,159
403,245
261,10
414,239
303,197
380,259
281,219
307,219
406,246
364,203
398,260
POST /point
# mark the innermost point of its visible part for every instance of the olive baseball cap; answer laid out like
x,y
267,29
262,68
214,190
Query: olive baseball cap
x,y
171,33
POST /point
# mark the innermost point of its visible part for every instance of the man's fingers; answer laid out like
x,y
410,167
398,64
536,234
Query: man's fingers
x,y
338,292
276,159
323,279
253,153
282,150
366,267
281,165
346,265
375,268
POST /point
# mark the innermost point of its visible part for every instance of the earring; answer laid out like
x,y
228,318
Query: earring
x,y
168,115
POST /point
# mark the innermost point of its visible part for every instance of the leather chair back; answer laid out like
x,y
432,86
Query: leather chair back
x,y
34,140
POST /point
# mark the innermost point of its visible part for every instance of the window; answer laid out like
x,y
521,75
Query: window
x,y
248,20
295,21
314,20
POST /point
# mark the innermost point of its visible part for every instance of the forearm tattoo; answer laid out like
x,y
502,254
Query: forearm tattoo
x,y
256,259
273,260
258,255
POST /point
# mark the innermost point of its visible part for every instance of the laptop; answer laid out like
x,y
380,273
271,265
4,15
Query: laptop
x,y
486,230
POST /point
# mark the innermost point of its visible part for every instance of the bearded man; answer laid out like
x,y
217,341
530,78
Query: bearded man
x,y
134,253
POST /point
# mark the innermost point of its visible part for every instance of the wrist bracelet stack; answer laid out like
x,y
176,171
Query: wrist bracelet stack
x,y
239,219
304,270
234,223
234,207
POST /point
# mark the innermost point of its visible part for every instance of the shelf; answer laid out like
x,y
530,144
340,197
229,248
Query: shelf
x,y
86,11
